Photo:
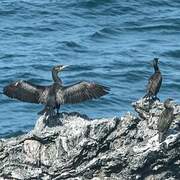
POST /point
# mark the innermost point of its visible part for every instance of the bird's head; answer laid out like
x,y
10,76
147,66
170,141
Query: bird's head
x,y
155,61
58,68
168,103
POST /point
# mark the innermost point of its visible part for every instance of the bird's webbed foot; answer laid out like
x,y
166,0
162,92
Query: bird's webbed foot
x,y
51,113
57,109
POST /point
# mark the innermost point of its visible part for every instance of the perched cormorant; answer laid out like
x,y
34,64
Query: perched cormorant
x,y
55,95
165,119
154,82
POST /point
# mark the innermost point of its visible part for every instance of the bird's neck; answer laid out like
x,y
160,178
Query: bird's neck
x,y
156,68
56,78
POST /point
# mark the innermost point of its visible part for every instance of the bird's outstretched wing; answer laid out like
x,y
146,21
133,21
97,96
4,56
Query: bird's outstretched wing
x,y
81,91
27,92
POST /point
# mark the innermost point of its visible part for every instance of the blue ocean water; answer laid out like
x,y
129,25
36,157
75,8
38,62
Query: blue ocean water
x,y
107,41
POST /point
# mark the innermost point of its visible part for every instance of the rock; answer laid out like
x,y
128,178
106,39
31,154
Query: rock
x,y
73,146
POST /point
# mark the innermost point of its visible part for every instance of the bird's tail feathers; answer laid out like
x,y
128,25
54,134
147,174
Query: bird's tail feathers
x,y
47,111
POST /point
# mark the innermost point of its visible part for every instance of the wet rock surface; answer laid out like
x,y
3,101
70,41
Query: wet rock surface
x,y
72,146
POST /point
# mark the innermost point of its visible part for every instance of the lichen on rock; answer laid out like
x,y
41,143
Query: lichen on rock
x,y
73,146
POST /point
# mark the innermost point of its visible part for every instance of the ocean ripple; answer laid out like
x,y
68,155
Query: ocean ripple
x,y
105,41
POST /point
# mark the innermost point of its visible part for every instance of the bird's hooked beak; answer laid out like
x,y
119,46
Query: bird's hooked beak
x,y
63,67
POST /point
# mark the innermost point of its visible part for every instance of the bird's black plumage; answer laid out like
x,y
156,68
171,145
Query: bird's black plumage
x,y
27,92
165,119
56,94
154,82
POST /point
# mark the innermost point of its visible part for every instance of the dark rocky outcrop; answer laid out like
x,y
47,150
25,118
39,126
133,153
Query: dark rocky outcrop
x,y
72,146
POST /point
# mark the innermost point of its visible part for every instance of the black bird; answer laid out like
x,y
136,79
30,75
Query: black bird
x,y
55,95
154,82
165,119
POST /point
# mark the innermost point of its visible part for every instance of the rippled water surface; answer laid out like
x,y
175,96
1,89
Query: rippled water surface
x,y
107,41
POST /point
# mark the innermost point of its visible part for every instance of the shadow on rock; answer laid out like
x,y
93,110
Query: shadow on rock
x,y
73,146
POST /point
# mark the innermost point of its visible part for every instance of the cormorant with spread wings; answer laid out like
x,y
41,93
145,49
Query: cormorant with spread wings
x,y
55,95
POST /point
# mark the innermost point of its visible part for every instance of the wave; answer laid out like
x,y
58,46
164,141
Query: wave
x,y
173,53
158,28
93,3
10,134
71,44
106,32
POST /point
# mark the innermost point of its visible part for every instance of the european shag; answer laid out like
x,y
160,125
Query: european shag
x,y
154,82
165,119
55,95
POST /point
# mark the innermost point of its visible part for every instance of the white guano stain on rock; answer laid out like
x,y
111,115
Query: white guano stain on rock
x,y
72,146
